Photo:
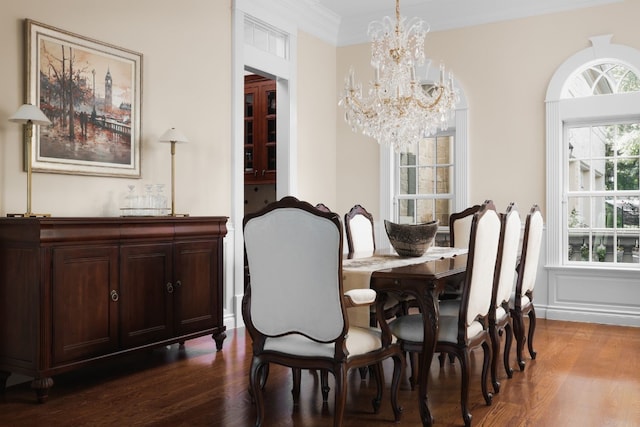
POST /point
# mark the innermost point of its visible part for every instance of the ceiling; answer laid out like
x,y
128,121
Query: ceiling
x,y
353,16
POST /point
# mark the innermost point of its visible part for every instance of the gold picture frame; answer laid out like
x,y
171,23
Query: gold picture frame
x,y
91,92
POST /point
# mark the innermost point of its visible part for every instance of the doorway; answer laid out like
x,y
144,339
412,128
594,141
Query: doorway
x,y
252,54
260,141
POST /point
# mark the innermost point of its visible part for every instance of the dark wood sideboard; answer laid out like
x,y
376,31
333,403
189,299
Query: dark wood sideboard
x,y
75,291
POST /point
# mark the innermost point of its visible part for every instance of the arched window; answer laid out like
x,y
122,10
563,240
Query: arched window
x,y
593,158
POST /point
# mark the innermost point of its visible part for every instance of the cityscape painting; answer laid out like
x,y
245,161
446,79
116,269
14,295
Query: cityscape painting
x,y
91,93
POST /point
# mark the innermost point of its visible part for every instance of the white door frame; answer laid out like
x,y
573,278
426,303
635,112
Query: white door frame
x,y
283,70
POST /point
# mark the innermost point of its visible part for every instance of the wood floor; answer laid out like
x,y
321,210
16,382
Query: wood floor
x,y
584,375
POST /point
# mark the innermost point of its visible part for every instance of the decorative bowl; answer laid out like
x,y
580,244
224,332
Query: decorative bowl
x,y
411,240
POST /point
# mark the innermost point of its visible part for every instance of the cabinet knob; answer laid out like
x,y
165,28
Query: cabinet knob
x,y
170,287
114,295
178,284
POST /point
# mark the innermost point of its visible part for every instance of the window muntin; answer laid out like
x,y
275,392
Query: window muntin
x,y
603,193
425,181
601,79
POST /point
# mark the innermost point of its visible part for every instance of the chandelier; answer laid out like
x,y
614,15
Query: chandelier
x,y
398,109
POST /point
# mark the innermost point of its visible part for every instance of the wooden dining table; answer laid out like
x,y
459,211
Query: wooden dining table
x,y
422,278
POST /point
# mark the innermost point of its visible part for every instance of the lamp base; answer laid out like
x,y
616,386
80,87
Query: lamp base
x,y
28,215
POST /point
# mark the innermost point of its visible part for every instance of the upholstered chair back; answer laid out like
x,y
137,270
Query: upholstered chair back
x,y
460,227
481,268
509,259
532,243
297,288
358,223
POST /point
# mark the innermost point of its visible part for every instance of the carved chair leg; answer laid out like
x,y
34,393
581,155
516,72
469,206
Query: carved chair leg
x,y
507,349
264,374
378,375
340,395
324,384
464,388
256,376
532,329
488,397
296,374
518,330
398,363
495,348
413,366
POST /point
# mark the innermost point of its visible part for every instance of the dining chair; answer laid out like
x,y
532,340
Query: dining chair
x,y
294,307
460,227
499,314
361,239
459,233
521,303
459,334
323,207
358,224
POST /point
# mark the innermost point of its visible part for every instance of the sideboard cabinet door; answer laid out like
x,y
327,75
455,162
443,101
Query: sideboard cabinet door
x,y
146,293
84,316
197,275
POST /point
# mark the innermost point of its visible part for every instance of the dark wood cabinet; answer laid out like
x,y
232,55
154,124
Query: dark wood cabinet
x,y
260,142
74,291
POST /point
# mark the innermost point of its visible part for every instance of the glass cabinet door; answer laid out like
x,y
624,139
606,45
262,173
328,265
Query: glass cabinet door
x,y
260,130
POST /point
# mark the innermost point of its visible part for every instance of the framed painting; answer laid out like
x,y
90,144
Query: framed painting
x,y
91,92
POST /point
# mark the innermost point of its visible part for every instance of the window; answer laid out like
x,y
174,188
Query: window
x,y
266,37
593,154
429,181
603,193
425,181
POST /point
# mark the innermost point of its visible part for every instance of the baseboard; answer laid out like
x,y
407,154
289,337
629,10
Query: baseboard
x,y
589,316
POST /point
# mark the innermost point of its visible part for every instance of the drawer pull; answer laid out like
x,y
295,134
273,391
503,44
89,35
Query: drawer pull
x,y
170,287
114,295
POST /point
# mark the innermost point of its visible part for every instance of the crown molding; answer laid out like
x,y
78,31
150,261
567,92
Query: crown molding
x,y
312,17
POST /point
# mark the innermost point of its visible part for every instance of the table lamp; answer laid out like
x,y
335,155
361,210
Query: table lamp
x,y
173,136
29,115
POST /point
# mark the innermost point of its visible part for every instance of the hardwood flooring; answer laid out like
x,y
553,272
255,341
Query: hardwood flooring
x,y
584,375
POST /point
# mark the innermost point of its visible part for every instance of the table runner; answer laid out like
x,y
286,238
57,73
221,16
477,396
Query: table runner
x,y
356,273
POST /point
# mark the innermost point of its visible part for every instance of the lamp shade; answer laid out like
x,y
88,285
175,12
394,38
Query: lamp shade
x,y
173,135
30,113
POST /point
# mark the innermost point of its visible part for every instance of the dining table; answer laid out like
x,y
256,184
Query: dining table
x,y
421,278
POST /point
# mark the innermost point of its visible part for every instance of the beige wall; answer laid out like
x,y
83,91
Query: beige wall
x,y
504,69
317,106
185,83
